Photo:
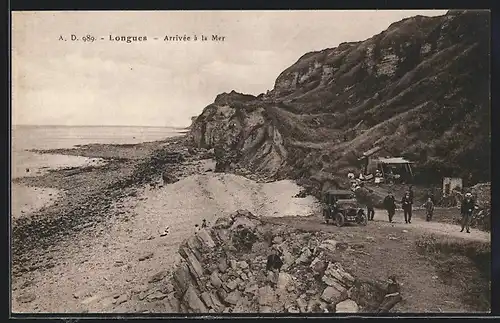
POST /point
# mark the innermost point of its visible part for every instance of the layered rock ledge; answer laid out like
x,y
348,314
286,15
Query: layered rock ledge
x,y
223,270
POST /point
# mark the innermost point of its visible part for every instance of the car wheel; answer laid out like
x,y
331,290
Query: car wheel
x,y
339,219
362,219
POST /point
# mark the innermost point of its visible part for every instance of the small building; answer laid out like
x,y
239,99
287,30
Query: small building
x,y
450,184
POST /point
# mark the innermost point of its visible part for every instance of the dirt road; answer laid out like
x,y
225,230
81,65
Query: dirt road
x,y
418,226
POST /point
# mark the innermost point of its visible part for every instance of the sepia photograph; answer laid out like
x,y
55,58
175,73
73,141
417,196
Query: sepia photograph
x,y
260,162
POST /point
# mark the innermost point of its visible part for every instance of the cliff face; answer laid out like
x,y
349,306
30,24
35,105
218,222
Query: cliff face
x,y
224,271
420,88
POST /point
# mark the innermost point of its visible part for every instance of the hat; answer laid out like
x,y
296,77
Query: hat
x,y
468,194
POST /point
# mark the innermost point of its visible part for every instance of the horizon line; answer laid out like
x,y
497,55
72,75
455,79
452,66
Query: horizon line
x,y
95,125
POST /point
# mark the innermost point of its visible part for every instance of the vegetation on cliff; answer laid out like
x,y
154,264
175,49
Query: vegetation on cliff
x,y
420,88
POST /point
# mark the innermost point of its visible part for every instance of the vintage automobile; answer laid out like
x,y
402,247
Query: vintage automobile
x,y
341,207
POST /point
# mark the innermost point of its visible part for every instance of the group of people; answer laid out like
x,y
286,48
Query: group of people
x,y
466,209
407,205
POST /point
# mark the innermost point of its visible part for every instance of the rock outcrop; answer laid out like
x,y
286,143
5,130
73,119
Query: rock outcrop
x,y
420,88
223,270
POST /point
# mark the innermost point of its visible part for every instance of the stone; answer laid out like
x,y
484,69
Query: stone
x,y
347,306
222,265
328,245
215,280
205,239
158,276
193,302
144,294
318,265
336,272
242,264
369,238
222,223
146,256
310,292
193,264
266,296
207,299
304,257
167,288
233,264
223,235
314,306
302,304
330,281
288,258
284,280
243,276
156,296
245,223
293,309
26,298
272,277
331,294
233,297
221,293
232,285
182,277
277,240
216,301
405,231
252,289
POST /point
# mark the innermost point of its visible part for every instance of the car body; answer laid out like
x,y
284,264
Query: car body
x,y
341,207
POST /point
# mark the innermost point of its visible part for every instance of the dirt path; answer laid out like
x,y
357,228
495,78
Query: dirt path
x,y
381,249
418,225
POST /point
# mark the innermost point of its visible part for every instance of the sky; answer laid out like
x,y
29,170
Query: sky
x,y
158,82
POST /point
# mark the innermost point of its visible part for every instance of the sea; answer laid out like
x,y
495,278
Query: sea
x,y
25,138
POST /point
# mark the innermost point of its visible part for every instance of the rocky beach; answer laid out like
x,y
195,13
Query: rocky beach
x,y
101,234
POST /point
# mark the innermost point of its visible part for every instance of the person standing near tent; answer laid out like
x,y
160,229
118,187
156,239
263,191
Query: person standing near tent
x,y
390,205
406,203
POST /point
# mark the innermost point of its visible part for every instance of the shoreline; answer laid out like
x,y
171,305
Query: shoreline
x,y
110,225
85,192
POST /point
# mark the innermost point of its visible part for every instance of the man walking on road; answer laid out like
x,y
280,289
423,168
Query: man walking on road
x,y
429,209
466,209
369,206
406,203
390,205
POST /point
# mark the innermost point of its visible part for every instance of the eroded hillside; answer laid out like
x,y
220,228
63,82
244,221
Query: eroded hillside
x,y
420,88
